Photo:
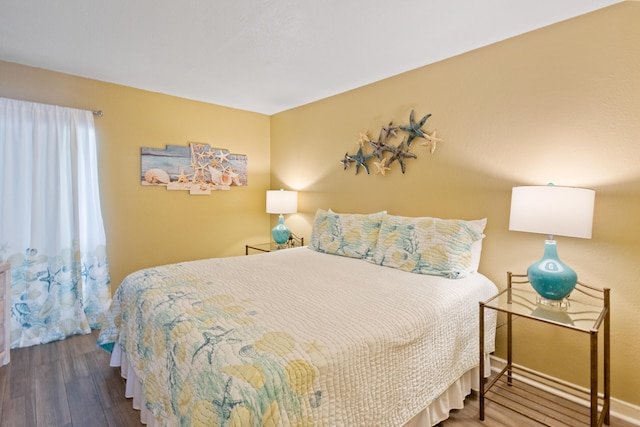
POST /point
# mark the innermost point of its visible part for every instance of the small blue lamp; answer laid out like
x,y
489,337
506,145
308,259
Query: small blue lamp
x,y
281,202
552,210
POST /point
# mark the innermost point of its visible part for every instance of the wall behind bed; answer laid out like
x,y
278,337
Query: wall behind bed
x,y
557,105
148,226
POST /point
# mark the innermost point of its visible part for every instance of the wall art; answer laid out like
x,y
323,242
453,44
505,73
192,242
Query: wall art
x,y
376,151
197,168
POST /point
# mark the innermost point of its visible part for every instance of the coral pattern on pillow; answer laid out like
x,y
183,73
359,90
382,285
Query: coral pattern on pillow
x,y
351,235
424,245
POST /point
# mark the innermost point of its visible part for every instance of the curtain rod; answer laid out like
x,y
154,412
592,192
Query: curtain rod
x,y
97,113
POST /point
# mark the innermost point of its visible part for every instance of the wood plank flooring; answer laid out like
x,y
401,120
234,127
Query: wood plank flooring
x,y
69,383
65,383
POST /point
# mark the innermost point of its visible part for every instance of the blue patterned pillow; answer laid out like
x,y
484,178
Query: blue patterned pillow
x,y
440,247
351,235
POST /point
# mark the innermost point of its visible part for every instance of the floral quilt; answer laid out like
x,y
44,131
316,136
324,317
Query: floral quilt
x,y
294,338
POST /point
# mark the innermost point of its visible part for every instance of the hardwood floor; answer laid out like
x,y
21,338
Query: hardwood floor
x,y
70,384
557,412
65,383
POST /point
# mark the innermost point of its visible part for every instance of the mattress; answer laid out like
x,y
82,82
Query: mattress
x,y
294,337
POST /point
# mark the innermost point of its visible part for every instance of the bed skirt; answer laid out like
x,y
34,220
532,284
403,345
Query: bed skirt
x,y
452,398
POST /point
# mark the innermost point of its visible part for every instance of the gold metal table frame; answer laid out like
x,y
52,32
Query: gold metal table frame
x,y
293,242
588,312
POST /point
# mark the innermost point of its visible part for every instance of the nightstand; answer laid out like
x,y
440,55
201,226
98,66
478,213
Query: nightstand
x,y
293,242
588,312
5,274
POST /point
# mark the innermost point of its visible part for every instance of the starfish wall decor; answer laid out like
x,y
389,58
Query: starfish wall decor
x,y
400,152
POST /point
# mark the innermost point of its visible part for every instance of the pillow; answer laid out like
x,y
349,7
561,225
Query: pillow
x,y
351,235
439,247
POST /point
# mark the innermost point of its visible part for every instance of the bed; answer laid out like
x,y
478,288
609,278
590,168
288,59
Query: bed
x,y
329,335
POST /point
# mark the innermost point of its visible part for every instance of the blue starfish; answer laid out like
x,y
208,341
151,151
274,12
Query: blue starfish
x,y
226,405
174,298
50,279
211,341
401,153
361,160
415,129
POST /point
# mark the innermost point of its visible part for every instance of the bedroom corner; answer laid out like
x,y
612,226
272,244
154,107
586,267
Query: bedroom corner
x,y
558,104
553,105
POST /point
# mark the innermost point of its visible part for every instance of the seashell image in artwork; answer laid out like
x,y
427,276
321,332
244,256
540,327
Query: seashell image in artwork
x,y
226,179
216,175
156,176
219,177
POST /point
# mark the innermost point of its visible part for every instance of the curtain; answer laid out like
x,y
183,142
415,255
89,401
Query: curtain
x,y
51,229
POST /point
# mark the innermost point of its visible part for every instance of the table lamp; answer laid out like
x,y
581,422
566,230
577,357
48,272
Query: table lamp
x,y
552,210
281,202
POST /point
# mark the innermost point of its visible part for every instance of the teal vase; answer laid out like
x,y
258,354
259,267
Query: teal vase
x,y
550,277
280,232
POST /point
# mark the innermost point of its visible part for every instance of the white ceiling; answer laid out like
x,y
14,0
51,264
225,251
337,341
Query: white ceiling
x,y
260,55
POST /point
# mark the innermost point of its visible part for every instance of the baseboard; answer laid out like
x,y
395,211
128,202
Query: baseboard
x,y
619,409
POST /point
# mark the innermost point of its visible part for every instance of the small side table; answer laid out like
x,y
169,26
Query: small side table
x,y
588,312
293,242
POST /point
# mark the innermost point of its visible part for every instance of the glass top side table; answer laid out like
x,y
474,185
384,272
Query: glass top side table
x,y
587,311
293,242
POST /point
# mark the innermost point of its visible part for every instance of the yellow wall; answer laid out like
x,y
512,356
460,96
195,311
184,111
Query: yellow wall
x,y
559,105
148,226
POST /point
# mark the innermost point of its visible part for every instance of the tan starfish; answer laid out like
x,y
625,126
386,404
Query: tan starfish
x,y
223,156
183,178
431,140
364,138
382,168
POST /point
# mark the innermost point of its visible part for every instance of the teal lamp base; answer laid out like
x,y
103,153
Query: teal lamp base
x,y
552,279
280,232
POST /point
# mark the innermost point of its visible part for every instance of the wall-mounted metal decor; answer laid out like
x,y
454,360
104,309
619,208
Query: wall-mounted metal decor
x,y
397,153
197,168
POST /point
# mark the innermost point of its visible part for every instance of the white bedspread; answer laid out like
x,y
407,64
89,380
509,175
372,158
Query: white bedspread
x,y
353,343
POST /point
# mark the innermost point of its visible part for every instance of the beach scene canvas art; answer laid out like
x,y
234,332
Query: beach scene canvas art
x,y
197,168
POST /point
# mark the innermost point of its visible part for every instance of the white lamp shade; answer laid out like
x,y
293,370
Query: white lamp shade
x,y
282,202
552,210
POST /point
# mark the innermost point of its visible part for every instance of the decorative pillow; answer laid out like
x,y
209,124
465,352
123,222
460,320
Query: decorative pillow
x,y
351,235
320,224
440,247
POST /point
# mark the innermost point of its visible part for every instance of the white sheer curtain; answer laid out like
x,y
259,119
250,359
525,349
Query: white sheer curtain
x,y
51,230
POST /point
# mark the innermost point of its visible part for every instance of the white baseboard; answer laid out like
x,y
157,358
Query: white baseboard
x,y
620,409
